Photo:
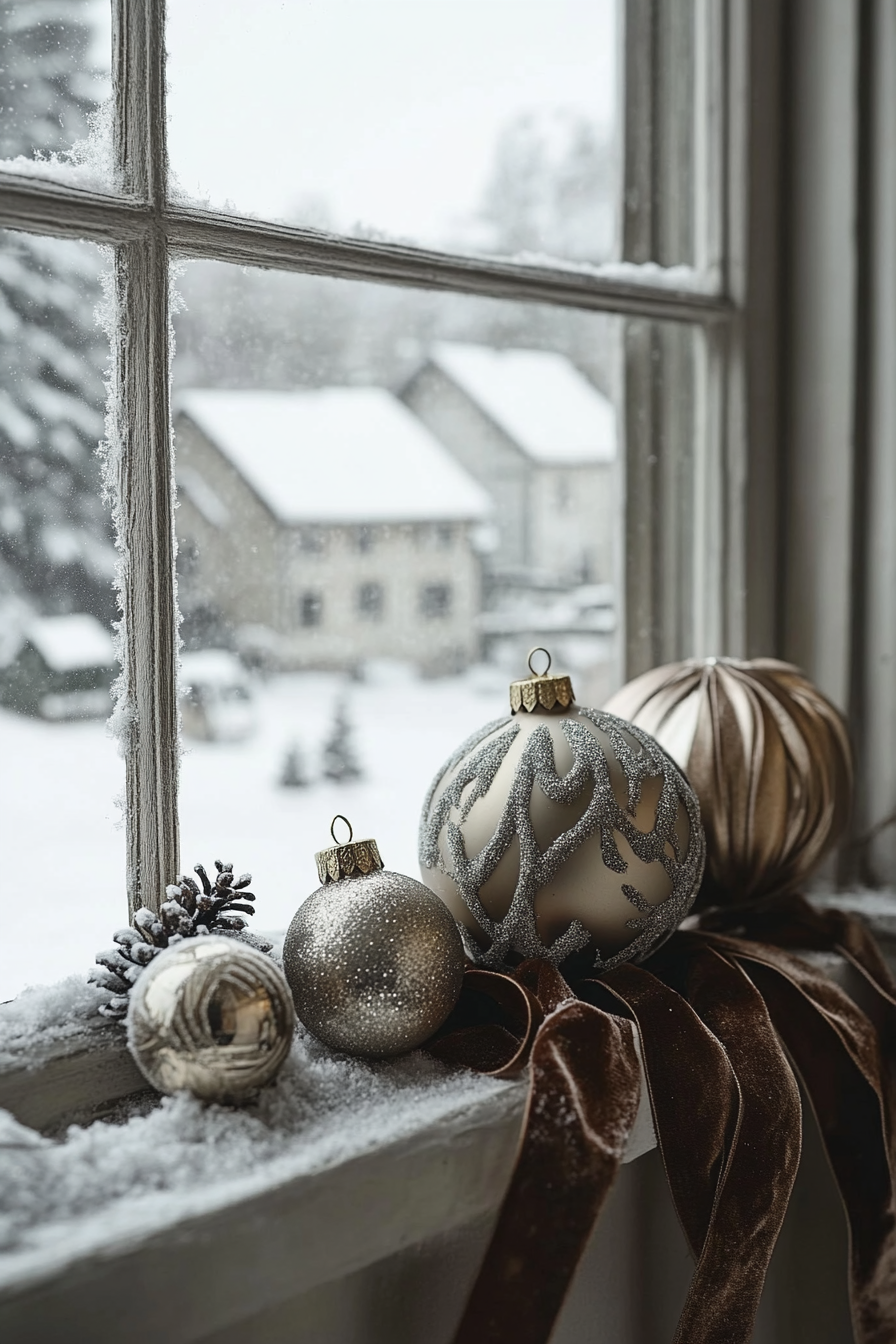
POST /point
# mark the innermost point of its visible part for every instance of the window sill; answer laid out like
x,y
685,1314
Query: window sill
x,y
278,1248
253,1243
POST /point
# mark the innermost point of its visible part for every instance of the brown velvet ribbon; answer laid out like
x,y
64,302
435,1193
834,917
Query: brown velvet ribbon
x,y
716,1008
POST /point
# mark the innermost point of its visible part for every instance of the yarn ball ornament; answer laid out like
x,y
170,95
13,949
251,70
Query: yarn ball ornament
x,y
210,1016
561,832
769,758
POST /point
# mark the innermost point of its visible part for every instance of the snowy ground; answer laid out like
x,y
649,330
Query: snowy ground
x,y
62,891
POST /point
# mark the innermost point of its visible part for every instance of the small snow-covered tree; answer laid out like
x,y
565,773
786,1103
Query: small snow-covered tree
x,y
293,774
339,760
54,532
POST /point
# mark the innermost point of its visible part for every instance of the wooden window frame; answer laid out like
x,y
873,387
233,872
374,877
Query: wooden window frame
x,y
145,229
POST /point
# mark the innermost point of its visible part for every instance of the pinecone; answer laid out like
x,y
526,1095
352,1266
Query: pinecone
x,y
190,911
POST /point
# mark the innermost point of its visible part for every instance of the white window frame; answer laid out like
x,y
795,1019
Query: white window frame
x,y
145,229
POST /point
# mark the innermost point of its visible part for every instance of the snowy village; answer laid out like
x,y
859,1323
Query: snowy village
x,y
385,499
354,561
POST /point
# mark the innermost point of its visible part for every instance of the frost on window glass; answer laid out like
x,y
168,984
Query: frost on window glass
x,y
478,125
369,544
62,870
55,58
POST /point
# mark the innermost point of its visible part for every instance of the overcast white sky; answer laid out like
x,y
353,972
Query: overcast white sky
x,y
386,110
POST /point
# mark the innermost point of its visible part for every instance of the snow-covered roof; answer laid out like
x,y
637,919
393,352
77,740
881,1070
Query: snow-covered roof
x,y
337,455
551,410
67,643
211,667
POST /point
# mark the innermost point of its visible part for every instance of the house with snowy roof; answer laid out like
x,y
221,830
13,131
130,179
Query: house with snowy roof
x,y
542,441
58,667
334,520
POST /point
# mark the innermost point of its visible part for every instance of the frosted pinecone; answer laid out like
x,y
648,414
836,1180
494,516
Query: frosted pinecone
x,y
191,911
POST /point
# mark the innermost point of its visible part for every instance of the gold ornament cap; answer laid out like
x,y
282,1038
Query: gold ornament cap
x,y
355,858
539,691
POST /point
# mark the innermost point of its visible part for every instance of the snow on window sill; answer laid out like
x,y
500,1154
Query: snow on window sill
x,y
341,1164
877,908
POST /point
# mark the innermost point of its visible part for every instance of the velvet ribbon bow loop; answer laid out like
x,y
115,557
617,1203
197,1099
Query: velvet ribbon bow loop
x,y
713,1008
585,1084
492,1029
727,1115
847,1073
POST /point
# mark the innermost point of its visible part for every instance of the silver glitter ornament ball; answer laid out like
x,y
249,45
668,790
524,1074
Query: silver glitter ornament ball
x,y
211,1016
374,960
562,831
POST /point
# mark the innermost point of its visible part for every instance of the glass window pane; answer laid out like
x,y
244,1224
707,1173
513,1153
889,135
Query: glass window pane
x,y
62,870
386,499
55,58
470,124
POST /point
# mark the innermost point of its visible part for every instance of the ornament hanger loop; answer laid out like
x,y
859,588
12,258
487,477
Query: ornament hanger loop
x,y
532,654
340,817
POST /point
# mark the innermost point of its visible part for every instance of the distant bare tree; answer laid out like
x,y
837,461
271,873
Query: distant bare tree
x,y
553,188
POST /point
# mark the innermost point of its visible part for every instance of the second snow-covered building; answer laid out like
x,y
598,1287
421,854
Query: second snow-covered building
x,y
333,520
542,440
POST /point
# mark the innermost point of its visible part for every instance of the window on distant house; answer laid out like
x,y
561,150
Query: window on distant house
x,y
365,539
311,608
371,601
435,601
311,540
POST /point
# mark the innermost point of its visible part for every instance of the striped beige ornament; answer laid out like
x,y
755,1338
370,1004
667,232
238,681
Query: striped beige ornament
x,y
768,757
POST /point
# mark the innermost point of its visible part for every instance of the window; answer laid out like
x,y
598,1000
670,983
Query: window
x,y
732,296
371,600
311,541
365,540
435,601
650,315
311,609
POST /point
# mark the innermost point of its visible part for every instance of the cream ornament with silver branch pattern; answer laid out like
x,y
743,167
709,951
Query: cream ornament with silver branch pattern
x,y
559,830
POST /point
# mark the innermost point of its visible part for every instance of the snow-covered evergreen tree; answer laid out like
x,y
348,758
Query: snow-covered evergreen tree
x,y
339,760
292,772
54,531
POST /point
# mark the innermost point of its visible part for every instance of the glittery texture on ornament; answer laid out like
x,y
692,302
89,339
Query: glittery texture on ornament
x,y
551,833
375,964
769,758
211,1016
